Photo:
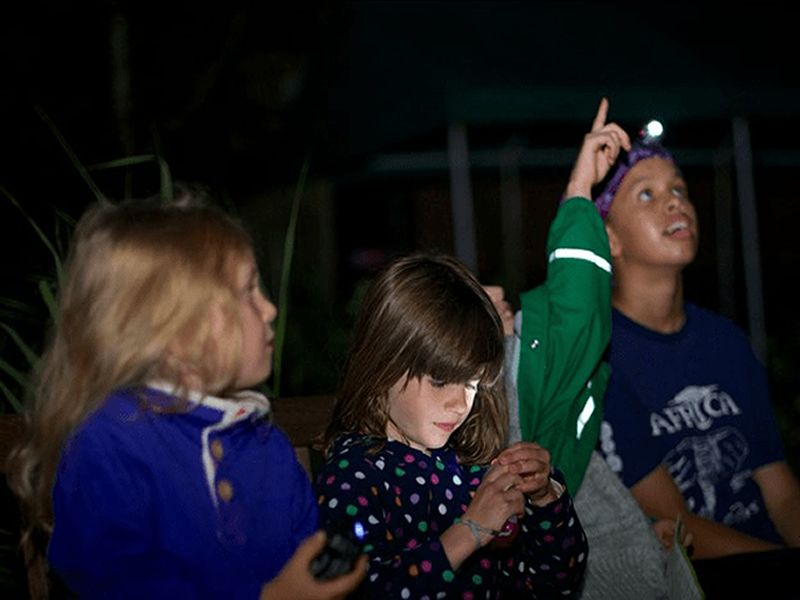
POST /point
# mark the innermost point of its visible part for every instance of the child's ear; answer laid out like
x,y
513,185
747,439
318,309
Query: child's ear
x,y
614,244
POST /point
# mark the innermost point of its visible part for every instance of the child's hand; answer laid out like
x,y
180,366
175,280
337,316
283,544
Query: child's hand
x,y
665,531
532,463
497,294
598,153
497,498
296,581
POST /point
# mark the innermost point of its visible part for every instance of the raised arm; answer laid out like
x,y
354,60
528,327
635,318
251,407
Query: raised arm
x,y
598,153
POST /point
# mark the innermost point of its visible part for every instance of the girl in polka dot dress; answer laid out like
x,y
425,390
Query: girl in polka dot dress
x,y
415,450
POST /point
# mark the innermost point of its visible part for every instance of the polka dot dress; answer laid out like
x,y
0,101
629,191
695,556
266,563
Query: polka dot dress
x,y
405,499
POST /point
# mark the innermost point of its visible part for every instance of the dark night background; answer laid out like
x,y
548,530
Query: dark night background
x,y
237,96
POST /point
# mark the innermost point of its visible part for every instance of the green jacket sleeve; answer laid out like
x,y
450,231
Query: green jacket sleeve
x,y
566,327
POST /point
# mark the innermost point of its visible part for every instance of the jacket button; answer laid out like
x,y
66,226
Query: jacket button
x,y
216,450
225,490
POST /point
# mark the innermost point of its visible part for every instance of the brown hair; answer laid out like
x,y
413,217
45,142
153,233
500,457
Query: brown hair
x,y
425,314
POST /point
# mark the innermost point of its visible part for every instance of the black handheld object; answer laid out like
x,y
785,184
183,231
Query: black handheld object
x,y
342,549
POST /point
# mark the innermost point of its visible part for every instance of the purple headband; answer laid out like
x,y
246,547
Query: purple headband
x,y
639,151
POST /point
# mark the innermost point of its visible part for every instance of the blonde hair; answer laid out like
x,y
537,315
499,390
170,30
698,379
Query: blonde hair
x,y
425,314
141,279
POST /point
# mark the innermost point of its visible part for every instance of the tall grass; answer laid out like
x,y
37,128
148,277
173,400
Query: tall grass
x,y
283,289
15,379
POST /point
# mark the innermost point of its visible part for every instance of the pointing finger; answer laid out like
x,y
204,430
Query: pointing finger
x,y
602,113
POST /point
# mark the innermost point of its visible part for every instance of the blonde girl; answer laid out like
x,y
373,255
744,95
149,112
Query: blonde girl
x,y
152,468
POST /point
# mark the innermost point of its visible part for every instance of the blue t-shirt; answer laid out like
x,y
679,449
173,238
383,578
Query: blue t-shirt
x,y
698,402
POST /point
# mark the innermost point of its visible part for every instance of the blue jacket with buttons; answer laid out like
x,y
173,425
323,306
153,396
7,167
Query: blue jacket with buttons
x,y
206,502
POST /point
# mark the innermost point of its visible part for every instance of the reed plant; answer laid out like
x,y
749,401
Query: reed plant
x,y
15,375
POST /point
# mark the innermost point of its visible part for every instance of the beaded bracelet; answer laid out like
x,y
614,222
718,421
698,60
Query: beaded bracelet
x,y
477,529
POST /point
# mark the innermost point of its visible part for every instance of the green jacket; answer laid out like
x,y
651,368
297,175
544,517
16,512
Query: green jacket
x,y
566,327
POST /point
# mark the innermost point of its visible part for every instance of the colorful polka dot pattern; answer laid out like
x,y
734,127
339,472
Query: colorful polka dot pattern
x,y
405,499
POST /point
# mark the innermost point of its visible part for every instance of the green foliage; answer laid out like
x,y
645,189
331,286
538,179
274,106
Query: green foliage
x,y
283,290
16,382
15,378
165,177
